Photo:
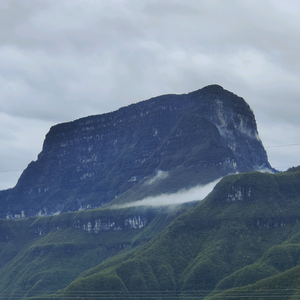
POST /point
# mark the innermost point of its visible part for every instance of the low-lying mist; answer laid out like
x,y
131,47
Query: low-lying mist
x,y
160,175
182,196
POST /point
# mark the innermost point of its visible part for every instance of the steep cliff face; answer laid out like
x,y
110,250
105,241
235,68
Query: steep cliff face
x,y
196,137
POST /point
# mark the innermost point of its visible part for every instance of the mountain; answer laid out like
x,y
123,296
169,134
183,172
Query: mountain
x,y
241,242
191,139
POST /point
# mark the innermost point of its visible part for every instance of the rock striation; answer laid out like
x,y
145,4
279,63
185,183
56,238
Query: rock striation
x,y
195,137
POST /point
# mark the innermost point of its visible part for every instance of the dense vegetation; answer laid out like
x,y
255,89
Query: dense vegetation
x,y
242,241
39,255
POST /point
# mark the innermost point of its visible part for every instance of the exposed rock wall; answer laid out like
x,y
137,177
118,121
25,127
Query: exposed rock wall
x,y
95,225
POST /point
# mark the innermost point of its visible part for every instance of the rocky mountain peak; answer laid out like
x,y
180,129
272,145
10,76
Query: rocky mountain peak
x,y
195,137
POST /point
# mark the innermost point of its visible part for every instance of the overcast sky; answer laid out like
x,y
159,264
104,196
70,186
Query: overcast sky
x,y
65,59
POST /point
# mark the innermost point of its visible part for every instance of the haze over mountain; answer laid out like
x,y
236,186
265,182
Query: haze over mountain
x,y
193,139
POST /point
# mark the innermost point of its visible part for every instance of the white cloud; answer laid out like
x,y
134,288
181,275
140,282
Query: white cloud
x,y
182,196
160,175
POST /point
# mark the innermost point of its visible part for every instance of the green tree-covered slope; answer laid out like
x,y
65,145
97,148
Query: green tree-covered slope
x,y
244,235
43,255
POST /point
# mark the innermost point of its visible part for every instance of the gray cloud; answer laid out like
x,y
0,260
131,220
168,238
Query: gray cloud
x,y
61,60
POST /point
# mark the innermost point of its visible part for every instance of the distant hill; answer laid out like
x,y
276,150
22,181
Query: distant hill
x,y
192,139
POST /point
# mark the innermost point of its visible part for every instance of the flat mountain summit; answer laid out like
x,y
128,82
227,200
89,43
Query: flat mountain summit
x,y
192,139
